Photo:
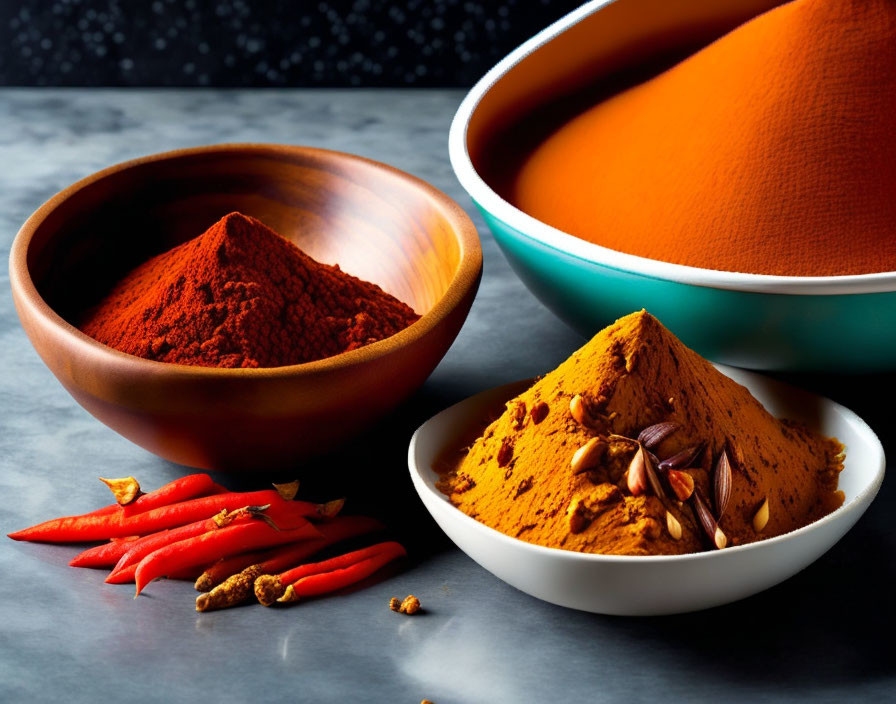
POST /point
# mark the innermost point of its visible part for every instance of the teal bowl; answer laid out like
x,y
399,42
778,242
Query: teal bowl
x,y
837,323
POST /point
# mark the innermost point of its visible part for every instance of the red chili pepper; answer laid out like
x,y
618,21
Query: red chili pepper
x,y
224,542
278,559
104,555
102,527
328,581
179,490
188,487
336,563
188,574
128,574
282,516
111,508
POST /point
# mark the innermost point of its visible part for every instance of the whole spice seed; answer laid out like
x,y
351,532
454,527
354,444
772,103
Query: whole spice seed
x,y
505,452
517,410
581,413
673,526
760,518
721,482
539,412
680,460
588,455
682,484
125,490
652,477
653,435
720,539
706,520
637,473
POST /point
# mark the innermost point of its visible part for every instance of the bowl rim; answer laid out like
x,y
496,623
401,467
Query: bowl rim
x,y
859,502
466,273
595,254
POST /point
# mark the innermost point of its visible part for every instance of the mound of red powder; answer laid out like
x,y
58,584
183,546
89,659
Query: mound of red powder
x,y
240,295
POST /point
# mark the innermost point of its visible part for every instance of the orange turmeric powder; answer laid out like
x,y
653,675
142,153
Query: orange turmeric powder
x,y
712,469
770,151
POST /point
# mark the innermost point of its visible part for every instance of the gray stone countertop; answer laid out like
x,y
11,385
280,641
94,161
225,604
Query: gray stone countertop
x,y
64,635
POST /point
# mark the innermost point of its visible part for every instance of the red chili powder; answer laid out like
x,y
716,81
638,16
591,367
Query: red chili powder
x,y
240,295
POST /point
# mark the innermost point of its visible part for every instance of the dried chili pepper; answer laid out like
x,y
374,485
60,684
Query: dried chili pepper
x,y
113,525
237,586
279,559
269,588
181,489
325,582
230,540
126,567
194,485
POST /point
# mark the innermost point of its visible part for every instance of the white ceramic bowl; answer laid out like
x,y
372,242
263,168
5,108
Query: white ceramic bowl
x,y
643,586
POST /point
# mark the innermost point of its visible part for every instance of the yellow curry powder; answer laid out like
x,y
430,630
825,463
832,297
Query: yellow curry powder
x,y
518,475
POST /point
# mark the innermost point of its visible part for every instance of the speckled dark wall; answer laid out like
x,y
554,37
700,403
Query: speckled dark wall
x,y
262,42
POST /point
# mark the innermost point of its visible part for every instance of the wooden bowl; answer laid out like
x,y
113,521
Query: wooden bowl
x,y
376,222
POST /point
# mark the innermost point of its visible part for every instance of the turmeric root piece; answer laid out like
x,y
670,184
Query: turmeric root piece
x,y
268,589
232,591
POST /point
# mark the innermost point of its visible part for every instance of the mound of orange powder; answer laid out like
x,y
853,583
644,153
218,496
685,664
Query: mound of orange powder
x,y
556,468
770,151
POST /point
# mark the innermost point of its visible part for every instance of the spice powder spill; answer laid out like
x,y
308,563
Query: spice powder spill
x,y
626,375
240,295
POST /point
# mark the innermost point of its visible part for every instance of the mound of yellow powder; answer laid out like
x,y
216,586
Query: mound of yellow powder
x,y
770,151
518,475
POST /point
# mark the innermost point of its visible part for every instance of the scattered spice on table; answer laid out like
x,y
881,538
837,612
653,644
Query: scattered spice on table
x,y
240,295
410,605
770,151
647,449
223,541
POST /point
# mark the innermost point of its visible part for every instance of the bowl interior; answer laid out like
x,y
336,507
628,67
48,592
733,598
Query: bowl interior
x,y
596,51
375,222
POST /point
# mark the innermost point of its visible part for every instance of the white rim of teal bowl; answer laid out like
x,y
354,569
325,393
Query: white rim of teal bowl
x,y
491,202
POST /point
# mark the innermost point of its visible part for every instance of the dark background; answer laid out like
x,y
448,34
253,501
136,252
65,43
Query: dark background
x,y
262,42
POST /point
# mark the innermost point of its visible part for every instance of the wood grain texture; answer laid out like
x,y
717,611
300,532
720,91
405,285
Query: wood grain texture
x,y
377,223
